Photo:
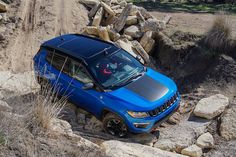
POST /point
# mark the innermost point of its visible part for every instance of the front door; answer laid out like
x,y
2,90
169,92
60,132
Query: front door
x,y
90,99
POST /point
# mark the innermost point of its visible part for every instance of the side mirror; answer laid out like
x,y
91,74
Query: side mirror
x,y
88,86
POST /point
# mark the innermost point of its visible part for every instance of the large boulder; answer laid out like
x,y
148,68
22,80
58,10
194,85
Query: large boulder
x,y
120,22
228,124
151,25
123,3
59,127
114,36
140,50
131,20
103,33
91,30
90,3
62,129
3,7
93,11
180,136
224,149
5,107
133,31
98,17
147,42
145,138
206,140
21,83
94,124
118,149
108,9
192,151
212,106
142,11
126,46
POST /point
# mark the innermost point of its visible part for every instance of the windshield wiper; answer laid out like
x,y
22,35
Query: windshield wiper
x,y
134,77
128,80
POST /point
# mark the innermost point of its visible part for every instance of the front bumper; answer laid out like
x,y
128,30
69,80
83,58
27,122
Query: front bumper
x,y
152,122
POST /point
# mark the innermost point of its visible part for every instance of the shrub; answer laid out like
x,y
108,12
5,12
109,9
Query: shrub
x,y
218,38
3,139
4,129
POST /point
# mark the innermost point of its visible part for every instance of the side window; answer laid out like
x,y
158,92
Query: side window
x,y
79,72
58,61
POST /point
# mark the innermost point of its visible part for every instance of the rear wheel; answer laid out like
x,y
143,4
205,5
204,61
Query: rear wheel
x,y
115,125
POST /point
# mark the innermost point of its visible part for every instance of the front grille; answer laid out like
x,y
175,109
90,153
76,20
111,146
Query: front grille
x,y
164,107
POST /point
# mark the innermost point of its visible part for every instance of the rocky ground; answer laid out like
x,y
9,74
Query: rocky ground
x,y
203,126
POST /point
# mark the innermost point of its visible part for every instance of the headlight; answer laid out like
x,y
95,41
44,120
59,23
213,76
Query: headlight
x,y
138,114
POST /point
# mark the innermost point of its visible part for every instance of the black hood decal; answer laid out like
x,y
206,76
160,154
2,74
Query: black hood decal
x,y
148,88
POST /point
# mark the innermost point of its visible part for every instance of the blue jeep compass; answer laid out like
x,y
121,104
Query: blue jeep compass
x,y
108,82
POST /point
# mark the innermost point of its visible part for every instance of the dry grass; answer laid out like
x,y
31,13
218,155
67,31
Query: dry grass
x,y
9,128
218,38
3,129
46,106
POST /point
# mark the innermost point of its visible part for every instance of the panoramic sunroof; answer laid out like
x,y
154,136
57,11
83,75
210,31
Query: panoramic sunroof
x,y
85,47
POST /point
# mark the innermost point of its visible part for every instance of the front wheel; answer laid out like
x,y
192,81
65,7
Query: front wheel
x,y
114,125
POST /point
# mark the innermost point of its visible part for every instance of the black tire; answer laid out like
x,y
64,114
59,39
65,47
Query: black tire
x,y
115,125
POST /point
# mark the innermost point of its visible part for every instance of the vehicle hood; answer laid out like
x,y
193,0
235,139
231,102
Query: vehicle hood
x,y
147,92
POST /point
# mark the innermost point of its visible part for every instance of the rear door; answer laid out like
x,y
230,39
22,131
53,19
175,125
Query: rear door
x,y
68,77
57,69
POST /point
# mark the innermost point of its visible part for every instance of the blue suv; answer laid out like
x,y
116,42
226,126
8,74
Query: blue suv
x,y
108,82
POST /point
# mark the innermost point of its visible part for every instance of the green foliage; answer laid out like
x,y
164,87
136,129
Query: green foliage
x,y
3,139
186,6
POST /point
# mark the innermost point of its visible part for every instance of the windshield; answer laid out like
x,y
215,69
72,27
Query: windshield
x,y
116,70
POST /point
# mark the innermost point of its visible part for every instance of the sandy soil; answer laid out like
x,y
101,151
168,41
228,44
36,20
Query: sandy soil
x,y
39,20
197,23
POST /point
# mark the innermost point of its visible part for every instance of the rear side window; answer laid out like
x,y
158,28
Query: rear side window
x,y
58,61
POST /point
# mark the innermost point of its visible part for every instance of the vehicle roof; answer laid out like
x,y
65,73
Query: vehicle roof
x,y
81,46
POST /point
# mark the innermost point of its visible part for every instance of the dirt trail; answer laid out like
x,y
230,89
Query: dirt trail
x,y
40,20
197,23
